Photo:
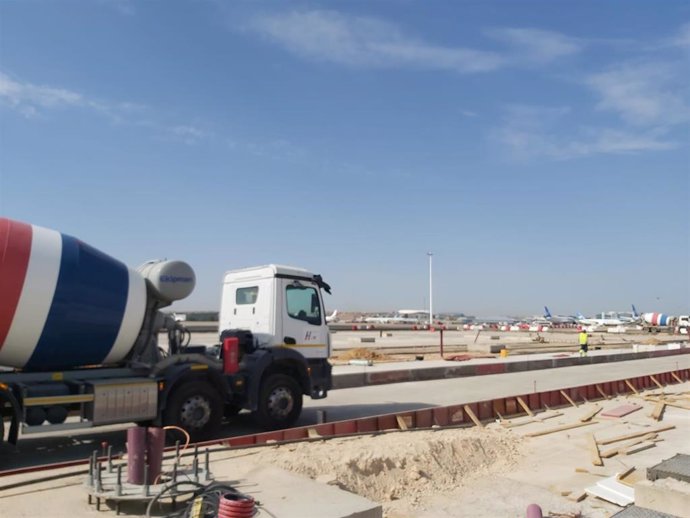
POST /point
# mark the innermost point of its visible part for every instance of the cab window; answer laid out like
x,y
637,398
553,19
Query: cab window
x,y
246,295
303,304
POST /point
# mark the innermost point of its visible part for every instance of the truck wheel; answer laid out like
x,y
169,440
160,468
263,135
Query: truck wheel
x,y
280,402
196,407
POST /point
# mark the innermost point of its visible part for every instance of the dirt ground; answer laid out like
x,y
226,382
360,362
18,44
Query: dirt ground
x,y
489,472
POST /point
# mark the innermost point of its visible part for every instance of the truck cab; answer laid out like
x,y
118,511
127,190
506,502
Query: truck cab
x,y
276,314
282,306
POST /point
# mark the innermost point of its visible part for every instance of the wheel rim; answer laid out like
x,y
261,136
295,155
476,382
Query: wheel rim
x,y
195,412
280,402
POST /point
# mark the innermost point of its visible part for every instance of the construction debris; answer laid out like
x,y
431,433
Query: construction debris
x,y
612,490
621,411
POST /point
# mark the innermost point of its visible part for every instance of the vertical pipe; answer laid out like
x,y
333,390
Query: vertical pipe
x,y
110,459
136,454
118,486
431,293
90,478
99,480
207,468
441,337
146,480
154,451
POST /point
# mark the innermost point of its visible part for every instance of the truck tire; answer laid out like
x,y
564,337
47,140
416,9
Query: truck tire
x,y
196,407
280,402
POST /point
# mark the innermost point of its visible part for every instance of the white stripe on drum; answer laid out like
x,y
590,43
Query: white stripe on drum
x,y
36,297
132,319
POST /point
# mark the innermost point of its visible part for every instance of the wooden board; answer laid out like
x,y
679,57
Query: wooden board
x,y
594,450
568,398
473,416
658,410
656,382
558,429
589,415
525,407
601,392
632,387
625,437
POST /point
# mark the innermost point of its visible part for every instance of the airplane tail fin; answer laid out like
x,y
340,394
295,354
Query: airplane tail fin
x,y
547,313
580,316
635,313
331,318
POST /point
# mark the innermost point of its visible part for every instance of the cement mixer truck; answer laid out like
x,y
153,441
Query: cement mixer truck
x,y
79,341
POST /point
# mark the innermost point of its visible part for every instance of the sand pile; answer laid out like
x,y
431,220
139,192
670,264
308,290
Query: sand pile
x,y
400,465
360,353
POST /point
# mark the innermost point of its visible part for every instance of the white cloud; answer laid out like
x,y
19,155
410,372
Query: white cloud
x,y
28,98
187,133
536,46
361,41
530,132
644,94
33,100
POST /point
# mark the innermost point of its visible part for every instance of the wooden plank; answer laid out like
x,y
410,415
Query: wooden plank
x,y
537,419
472,416
525,407
589,415
625,437
568,399
594,450
677,405
638,447
624,474
656,382
676,377
558,429
601,391
622,447
578,497
658,410
312,433
632,387
401,422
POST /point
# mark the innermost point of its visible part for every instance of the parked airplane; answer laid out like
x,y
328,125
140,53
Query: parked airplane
x,y
559,319
611,318
400,317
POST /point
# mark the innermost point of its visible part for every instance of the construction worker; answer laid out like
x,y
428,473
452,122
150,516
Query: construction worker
x,y
584,337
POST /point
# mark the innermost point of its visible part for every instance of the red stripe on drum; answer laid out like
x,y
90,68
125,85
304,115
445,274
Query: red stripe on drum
x,y
15,251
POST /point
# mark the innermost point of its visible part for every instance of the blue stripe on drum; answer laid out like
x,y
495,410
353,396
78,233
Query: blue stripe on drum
x,y
87,309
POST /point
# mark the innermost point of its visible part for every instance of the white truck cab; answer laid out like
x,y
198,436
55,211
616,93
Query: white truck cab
x,y
281,305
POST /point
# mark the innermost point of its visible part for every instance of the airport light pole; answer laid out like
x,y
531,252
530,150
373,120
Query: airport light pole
x,y
431,292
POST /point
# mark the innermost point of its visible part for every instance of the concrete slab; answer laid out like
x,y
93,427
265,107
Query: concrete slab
x,y
290,495
666,495
277,492
350,376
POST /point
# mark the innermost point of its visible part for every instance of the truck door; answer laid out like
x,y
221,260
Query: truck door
x,y
304,325
248,305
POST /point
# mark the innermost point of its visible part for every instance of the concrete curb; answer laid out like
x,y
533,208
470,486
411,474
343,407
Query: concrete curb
x,y
452,370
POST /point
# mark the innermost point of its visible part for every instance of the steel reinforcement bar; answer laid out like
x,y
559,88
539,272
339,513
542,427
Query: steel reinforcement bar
x,y
430,417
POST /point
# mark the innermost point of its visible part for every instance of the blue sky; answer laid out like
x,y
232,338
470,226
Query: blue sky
x,y
539,149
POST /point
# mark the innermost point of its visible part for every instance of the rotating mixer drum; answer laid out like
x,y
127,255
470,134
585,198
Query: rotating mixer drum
x,y
64,304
